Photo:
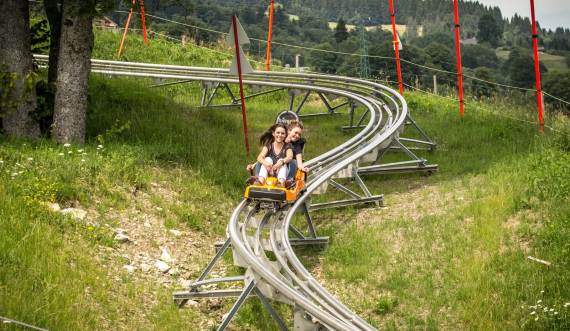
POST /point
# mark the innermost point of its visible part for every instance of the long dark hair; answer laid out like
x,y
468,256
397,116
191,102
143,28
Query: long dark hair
x,y
267,136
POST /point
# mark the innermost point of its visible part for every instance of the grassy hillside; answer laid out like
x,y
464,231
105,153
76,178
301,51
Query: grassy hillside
x,y
448,251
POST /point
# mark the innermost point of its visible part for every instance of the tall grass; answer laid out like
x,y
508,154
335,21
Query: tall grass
x,y
456,257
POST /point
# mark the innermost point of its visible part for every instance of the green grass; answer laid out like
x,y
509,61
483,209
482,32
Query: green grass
x,y
449,251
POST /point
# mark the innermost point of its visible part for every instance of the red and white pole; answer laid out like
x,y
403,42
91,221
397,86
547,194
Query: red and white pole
x,y
396,45
269,36
459,75
537,67
234,19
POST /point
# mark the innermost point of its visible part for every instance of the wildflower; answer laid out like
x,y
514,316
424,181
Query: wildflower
x,y
82,160
536,319
66,145
30,159
542,292
539,301
1,161
566,304
15,174
69,152
551,309
79,151
555,313
61,154
532,313
99,146
545,309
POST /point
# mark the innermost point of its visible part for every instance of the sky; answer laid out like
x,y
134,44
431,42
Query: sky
x,y
549,13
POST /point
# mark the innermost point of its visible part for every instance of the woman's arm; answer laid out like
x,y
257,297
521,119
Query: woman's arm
x,y
299,158
261,158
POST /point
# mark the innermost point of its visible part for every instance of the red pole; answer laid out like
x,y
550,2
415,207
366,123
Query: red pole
x,y
537,67
126,29
144,26
269,37
234,19
459,76
396,46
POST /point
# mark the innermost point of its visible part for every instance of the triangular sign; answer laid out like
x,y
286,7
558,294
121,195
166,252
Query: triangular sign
x,y
245,66
400,47
242,37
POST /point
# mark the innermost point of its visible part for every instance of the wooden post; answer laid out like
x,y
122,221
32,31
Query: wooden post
x,y
434,84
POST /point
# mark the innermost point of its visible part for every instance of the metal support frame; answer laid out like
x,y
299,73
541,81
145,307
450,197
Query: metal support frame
x,y
416,164
376,200
351,110
409,121
237,305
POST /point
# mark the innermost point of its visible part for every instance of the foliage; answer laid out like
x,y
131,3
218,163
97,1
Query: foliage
x,y
489,31
340,31
484,86
45,94
323,61
473,56
40,37
9,85
557,83
522,72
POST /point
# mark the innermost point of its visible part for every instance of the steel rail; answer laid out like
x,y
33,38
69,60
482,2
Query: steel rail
x,y
287,275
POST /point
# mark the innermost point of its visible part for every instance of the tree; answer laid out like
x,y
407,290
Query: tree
x,y
473,56
53,13
522,72
483,85
340,31
488,31
323,61
557,83
73,71
17,96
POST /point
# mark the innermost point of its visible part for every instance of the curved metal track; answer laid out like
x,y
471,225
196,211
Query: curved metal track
x,y
252,235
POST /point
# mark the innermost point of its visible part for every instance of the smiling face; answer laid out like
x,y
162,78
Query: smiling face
x,y
295,134
279,134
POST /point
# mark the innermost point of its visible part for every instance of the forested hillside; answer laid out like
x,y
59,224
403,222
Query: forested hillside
x,y
433,16
502,53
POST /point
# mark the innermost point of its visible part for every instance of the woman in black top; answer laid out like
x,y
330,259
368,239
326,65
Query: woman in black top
x,y
275,155
295,129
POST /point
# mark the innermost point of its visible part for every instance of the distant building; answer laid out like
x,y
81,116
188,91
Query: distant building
x,y
540,49
470,41
104,23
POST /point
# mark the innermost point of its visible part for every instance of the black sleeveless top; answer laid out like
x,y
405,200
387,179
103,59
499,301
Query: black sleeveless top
x,y
282,154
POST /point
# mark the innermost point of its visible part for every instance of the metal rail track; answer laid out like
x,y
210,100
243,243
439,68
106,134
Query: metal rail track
x,y
253,231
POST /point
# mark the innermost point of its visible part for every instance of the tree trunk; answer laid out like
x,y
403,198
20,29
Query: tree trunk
x,y
16,58
53,13
76,45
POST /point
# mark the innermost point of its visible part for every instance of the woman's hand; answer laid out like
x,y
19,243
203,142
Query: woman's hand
x,y
268,167
305,170
278,165
250,166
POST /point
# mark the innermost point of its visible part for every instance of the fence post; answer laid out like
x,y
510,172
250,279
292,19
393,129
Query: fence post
x,y
434,84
